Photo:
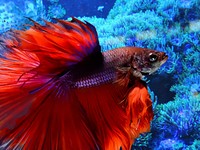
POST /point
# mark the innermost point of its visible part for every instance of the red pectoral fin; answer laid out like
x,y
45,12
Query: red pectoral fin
x,y
139,109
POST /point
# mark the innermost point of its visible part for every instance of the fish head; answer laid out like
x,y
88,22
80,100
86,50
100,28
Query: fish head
x,y
146,61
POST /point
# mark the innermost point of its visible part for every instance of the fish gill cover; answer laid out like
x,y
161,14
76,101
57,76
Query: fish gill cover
x,y
172,26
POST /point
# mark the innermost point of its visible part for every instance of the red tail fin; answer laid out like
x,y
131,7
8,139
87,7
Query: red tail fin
x,y
35,110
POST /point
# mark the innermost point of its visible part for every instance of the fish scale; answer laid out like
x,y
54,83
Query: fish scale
x,y
108,73
96,79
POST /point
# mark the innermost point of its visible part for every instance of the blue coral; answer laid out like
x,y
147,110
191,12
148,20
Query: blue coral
x,y
53,1
10,16
170,144
13,15
131,7
178,120
56,11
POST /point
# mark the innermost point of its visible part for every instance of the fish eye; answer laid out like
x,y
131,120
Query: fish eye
x,y
153,57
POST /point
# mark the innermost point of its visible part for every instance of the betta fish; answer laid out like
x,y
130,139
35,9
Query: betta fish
x,y
59,91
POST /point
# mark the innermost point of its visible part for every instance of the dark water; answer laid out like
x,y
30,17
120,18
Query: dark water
x,y
172,26
87,8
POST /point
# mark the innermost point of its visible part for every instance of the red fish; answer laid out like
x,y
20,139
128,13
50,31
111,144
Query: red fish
x,y
59,91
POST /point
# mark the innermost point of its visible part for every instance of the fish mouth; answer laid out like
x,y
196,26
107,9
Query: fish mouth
x,y
145,73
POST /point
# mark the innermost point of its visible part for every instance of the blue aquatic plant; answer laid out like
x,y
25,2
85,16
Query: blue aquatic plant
x,y
142,142
10,16
178,120
132,7
170,144
188,81
195,145
187,86
137,23
13,16
53,1
178,10
168,9
56,11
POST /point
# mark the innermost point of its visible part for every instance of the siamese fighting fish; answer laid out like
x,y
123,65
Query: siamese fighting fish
x,y
60,91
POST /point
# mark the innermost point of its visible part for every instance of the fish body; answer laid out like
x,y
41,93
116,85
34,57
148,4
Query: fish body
x,y
59,91
106,66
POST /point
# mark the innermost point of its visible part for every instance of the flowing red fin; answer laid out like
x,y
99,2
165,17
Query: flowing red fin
x,y
107,116
86,118
34,99
57,46
139,109
44,120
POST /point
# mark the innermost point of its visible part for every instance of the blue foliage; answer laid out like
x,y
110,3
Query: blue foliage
x,y
178,120
56,11
10,16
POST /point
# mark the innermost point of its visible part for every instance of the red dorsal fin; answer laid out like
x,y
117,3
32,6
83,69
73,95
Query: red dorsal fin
x,y
42,53
57,46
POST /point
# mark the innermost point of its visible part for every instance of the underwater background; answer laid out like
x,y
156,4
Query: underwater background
x,y
172,26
